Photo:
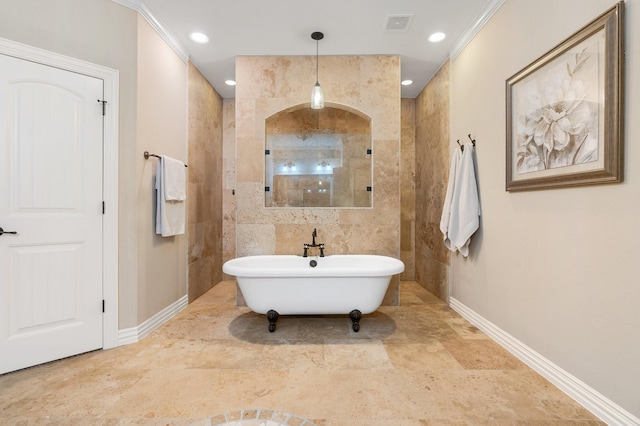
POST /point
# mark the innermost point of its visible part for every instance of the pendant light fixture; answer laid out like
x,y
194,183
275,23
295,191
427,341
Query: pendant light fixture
x,y
317,97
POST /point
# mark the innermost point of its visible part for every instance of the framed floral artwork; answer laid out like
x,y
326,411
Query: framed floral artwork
x,y
565,121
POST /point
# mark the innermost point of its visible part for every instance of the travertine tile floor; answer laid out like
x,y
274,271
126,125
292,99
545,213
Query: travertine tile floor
x,y
414,364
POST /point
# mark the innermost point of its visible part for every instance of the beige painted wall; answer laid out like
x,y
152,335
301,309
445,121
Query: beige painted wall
x,y
161,129
266,85
205,185
556,269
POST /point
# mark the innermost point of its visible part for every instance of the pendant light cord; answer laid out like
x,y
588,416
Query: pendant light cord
x,y
317,36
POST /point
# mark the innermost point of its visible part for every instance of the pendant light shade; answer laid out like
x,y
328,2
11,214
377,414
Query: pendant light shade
x,y
317,97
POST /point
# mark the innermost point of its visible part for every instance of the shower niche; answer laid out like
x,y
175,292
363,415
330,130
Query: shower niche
x,y
318,158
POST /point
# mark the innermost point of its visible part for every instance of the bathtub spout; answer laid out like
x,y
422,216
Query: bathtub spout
x,y
313,244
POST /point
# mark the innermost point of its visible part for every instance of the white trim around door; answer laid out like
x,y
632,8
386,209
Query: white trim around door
x,y
110,182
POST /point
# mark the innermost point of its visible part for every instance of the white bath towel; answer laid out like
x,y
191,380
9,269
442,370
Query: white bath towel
x,y
175,182
170,214
446,209
465,204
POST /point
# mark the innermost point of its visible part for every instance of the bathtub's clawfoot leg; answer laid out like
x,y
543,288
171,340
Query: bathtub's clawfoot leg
x,y
272,316
355,316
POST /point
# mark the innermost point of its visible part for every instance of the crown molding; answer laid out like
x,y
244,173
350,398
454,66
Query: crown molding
x,y
139,5
158,25
490,9
132,4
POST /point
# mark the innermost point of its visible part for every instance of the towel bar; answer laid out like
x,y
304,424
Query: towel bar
x,y
147,155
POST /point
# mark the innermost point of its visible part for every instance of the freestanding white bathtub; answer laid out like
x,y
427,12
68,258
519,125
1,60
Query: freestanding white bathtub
x,y
274,285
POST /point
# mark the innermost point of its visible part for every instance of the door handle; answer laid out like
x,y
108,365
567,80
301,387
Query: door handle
x,y
2,231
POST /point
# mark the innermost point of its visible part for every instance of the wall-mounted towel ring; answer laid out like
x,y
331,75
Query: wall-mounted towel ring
x,y
147,155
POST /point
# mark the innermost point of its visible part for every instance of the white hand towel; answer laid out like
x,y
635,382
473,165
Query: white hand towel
x,y
170,214
175,187
465,204
446,209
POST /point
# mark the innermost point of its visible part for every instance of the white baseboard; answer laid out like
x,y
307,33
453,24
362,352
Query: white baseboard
x,y
602,407
135,334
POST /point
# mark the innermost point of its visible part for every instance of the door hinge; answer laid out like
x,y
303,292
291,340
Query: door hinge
x,y
103,306
103,207
104,104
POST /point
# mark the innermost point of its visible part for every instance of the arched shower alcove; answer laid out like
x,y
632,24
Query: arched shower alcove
x,y
318,158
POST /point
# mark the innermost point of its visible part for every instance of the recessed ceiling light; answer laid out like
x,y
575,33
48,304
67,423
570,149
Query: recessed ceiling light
x,y
436,37
230,82
406,82
199,37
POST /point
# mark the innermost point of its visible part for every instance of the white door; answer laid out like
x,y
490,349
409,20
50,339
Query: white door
x,y
51,196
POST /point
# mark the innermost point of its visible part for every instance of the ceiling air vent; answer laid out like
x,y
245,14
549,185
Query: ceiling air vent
x,y
398,22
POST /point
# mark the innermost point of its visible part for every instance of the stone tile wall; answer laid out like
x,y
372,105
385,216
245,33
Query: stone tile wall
x,y
408,189
432,173
228,182
369,84
204,205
